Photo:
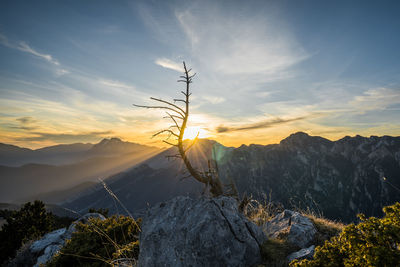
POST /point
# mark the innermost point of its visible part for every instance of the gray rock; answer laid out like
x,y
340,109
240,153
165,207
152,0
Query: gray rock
x,y
55,237
304,253
49,252
199,232
51,243
298,229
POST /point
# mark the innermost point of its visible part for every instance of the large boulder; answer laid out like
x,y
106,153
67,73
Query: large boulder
x,y
199,232
297,229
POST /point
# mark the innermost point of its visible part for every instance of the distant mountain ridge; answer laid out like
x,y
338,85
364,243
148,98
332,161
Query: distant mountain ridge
x,y
336,178
78,164
14,156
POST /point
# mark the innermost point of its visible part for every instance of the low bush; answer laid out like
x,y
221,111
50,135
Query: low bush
x,y
372,242
100,242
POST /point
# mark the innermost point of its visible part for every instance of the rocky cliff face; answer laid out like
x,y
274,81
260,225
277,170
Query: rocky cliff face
x,y
339,179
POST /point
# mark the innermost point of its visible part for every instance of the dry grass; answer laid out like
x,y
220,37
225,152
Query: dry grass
x,y
261,212
326,229
276,250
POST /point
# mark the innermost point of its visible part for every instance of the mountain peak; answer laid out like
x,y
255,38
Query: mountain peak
x,y
296,137
110,140
304,139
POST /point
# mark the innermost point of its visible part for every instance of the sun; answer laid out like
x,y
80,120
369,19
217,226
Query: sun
x,y
192,131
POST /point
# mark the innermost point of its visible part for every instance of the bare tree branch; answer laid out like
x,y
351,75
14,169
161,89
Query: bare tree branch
x,y
165,131
173,119
160,107
168,103
170,143
179,100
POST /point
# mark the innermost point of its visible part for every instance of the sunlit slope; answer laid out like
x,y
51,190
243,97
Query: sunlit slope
x,y
18,183
158,179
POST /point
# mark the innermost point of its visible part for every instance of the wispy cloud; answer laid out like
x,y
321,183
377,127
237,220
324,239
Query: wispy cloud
x,y
169,64
60,72
62,137
24,47
24,123
116,84
214,99
233,44
376,99
26,120
258,125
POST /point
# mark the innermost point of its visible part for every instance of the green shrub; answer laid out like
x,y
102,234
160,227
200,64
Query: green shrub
x,y
373,242
102,211
30,222
98,242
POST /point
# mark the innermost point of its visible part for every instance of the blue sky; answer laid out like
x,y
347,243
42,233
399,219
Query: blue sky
x,y
71,70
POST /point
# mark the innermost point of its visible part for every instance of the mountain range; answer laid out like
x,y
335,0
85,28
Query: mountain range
x,y
57,172
336,179
14,156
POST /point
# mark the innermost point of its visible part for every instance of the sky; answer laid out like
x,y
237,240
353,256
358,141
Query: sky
x,y
71,70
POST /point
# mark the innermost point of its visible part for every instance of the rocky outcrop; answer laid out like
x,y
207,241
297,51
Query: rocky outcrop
x,y
297,229
304,253
199,232
46,247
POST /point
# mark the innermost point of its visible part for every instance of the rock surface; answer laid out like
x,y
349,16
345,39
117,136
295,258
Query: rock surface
x,y
298,229
304,253
52,242
199,232
49,252
55,237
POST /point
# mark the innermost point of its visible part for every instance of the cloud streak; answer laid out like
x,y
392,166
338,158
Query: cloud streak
x,y
169,64
257,125
116,84
26,120
62,137
24,47
376,99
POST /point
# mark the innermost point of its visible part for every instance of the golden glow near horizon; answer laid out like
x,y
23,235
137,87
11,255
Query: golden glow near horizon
x,y
192,132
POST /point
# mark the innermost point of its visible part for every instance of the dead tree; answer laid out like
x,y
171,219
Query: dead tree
x,y
179,117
